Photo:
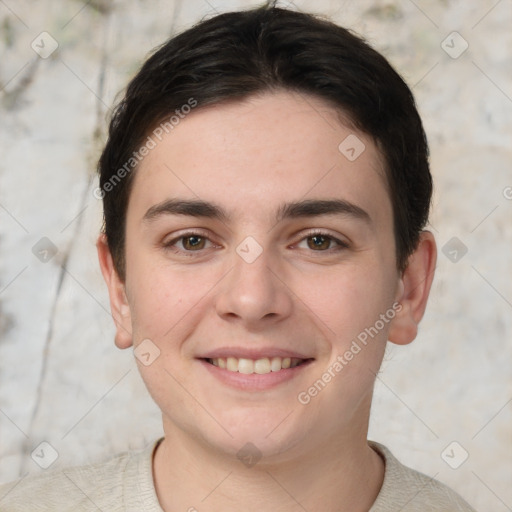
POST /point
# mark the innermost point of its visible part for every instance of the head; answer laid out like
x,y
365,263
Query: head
x,y
294,154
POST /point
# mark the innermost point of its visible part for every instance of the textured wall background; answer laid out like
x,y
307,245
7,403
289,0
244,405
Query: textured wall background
x,y
61,378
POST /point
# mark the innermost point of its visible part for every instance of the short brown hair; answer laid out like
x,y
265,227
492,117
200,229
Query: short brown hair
x,y
238,54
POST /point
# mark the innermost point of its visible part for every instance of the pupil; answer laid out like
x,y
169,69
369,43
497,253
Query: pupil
x,y
194,241
319,241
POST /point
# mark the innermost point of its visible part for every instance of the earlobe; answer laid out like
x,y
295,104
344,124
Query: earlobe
x,y
119,305
413,290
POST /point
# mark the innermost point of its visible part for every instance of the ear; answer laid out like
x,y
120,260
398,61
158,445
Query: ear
x,y
413,290
118,301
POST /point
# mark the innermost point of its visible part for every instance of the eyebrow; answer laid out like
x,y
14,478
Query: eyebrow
x,y
292,210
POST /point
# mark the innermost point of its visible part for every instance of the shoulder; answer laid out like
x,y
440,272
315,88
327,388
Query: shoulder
x,y
411,491
102,486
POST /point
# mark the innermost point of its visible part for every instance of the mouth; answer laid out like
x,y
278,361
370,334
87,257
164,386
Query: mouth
x,y
259,366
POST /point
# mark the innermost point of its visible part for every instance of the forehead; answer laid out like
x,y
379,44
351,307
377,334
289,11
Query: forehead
x,y
251,155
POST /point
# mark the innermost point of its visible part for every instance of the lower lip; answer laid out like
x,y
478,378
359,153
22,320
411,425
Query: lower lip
x,y
254,381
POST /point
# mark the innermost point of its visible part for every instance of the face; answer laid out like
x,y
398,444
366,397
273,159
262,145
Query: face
x,y
254,242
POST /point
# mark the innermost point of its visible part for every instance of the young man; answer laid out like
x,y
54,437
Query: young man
x,y
265,187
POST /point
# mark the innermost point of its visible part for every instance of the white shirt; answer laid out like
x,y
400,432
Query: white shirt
x,y
125,483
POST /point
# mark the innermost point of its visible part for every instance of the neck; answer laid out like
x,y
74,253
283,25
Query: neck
x,y
343,473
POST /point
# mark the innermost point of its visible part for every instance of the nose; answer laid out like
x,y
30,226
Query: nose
x,y
254,294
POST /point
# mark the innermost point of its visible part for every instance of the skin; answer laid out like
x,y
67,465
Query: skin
x,y
250,157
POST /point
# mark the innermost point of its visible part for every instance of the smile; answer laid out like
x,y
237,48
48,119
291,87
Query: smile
x,y
259,366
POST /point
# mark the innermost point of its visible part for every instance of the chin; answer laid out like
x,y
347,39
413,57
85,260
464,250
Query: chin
x,y
262,436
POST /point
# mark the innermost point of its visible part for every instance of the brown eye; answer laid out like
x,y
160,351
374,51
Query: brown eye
x,y
188,243
319,242
193,243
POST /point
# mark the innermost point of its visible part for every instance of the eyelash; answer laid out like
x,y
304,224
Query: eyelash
x,y
171,244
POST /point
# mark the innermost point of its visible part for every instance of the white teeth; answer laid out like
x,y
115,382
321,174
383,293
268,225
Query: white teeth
x,y
262,365
275,364
232,364
259,366
246,366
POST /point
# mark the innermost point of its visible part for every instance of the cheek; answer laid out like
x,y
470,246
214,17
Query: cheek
x,y
165,299
347,299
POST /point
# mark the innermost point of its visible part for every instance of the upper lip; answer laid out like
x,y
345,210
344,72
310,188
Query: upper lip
x,y
248,353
